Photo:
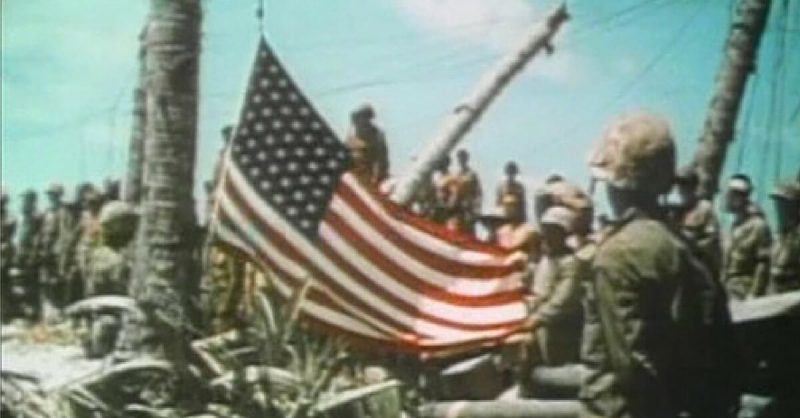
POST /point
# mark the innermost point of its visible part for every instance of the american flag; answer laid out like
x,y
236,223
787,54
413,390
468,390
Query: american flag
x,y
379,274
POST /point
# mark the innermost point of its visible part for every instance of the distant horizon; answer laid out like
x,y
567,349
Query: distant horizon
x,y
69,70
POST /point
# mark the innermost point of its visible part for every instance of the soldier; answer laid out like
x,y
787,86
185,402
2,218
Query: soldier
x,y
510,185
53,242
555,307
109,264
785,257
111,189
746,267
27,254
695,219
86,236
429,203
8,225
515,233
468,196
656,330
557,191
367,145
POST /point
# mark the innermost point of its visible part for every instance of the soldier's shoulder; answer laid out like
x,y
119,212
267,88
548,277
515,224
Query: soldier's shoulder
x,y
638,239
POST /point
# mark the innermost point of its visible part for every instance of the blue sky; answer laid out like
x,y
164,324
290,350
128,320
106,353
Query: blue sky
x,y
69,69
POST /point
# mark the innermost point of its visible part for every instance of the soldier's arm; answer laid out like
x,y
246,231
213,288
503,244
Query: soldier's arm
x,y
566,295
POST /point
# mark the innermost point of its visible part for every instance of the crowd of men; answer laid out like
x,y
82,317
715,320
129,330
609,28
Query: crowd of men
x,y
53,257
640,297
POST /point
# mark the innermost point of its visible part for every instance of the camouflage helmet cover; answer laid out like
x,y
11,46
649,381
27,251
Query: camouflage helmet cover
x,y
561,216
116,211
789,190
636,152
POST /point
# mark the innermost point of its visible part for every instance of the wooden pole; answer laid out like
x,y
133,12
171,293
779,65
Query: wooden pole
x,y
739,61
164,271
475,104
132,190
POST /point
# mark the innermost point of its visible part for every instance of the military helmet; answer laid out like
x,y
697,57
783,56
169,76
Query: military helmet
x,y
740,183
687,175
561,216
511,168
116,211
55,189
789,190
565,193
636,152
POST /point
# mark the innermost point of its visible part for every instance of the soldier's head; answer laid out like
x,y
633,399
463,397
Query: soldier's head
x,y
737,194
787,204
557,223
686,183
636,160
566,194
55,193
363,115
462,156
511,170
92,200
29,201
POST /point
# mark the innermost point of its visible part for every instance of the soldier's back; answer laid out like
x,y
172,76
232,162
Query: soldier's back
x,y
785,263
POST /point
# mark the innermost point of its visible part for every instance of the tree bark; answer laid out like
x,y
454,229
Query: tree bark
x,y
164,271
739,61
473,106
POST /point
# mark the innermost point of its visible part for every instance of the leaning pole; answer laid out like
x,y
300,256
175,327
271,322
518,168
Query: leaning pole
x,y
741,53
163,270
459,123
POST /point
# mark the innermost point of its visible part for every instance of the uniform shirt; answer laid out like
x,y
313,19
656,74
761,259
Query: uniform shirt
x,y
26,247
55,233
370,155
785,263
700,227
650,313
513,188
746,261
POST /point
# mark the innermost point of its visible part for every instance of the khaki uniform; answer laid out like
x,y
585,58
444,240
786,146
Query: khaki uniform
x,y
370,156
785,263
747,259
558,290
109,272
657,333
513,188
700,227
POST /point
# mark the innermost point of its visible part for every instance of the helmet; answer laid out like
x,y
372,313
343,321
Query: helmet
x,y
567,194
637,152
787,191
561,216
687,175
116,211
740,183
55,188
511,168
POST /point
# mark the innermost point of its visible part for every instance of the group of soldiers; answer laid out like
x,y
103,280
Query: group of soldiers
x,y
640,297
70,250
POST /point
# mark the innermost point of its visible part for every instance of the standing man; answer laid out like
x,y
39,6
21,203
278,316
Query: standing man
x,y
695,219
53,242
468,198
511,186
654,339
785,257
28,254
367,145
746,270
556,315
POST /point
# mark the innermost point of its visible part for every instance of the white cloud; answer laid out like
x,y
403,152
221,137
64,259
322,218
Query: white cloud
x,y
497,26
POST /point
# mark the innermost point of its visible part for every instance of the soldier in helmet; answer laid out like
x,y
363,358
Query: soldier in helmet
x,y
85,236
511,186
109,264
8,225
54,239
111,189
746,268
556,312
367,145
28,255
515,233
785,257
695,219
656,322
